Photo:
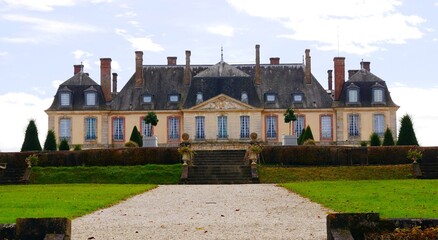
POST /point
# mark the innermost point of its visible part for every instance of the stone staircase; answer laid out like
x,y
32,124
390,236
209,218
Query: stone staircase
x,y
220,167
429,170
14,175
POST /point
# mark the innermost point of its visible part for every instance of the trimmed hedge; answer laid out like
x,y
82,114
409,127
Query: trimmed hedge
x,y
342,155
279,155
98,157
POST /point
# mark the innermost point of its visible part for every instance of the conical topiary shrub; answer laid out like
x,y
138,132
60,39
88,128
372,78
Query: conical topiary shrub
x,y
31,141
406,134
50,143
388,140
375,140
136,137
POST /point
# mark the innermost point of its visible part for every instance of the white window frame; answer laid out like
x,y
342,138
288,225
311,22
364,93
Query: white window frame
x,y
174,130
354,125
199,127
65,129
90,98
378,95
147,98
118,129
146,128
90,129
379,124
299,125
65,99
270,97
244,97
271,127
244,126
222,127
326,127
353,95
297,97
199,98
174,98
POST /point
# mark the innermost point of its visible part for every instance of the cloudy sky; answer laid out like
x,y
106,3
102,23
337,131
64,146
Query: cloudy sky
x,y
40,41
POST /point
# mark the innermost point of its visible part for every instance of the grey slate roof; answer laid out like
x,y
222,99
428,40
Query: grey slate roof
x,y
365,81
77,86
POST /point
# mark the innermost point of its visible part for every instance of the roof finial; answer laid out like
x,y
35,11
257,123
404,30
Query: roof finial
x,y
361,65
222,53
82,67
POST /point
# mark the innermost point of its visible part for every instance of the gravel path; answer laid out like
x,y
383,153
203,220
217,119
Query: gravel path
x,y
253,211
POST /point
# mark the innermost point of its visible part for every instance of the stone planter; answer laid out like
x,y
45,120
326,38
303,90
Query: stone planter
x,y
416,171
150,141
289,140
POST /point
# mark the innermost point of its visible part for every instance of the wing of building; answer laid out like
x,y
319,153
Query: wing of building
x,y
221,103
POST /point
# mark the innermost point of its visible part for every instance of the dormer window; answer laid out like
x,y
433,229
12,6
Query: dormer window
x,y
270,97
244,97
65,99
199,98
174,98
90,98
147,98
297,97
353,94
378,95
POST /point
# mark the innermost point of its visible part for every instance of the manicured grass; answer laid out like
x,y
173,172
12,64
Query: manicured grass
x,y
26,201
142,174
278,174
391,198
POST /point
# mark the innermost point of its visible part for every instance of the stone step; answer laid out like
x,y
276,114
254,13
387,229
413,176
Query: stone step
x,y
12,175
429,170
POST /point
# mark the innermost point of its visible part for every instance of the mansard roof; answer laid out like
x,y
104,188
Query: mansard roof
x,y
365,81
77,85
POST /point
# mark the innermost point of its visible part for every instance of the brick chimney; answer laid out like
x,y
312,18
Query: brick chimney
x,y
171,61
366,66
330,79
274,60
257,67
339,76
105,78
77,68
138,69
308,67
187,71
115,82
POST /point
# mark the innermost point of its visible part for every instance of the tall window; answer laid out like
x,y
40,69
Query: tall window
x,y
353,125
90,128
222,127
379,124
200,127
299,125
326,127
244,126
271,127
173,130
118,129
90,98
146,128
65,128
65,99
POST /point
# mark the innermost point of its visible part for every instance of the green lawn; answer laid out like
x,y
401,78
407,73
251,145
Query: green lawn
x,y
141,174
391,198
279,174
74,200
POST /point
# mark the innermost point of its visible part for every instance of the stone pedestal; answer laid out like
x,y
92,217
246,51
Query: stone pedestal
x,y
150,141
289,140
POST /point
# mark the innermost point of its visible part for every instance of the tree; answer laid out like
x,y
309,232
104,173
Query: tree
x,y
63,146
375,140
151,118
307,134
31,141
388,140
406,135
136,137
289,116
50,143
300,138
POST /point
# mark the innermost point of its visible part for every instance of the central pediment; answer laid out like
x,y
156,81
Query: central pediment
x,y
222,102
221,69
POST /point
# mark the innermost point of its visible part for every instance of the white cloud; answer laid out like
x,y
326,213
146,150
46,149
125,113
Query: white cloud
x,y
18,40
56,83
115,66
40,5
3,54
140,43
420,109
80,54
127,14
50,26
360,27
222,30
23,107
